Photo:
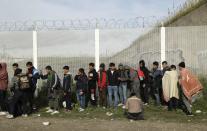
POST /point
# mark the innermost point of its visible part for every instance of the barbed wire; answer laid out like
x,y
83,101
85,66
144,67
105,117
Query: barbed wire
x,y
181,8
102,23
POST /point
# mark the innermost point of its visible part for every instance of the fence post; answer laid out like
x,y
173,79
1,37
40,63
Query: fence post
x,y
35,52
97,49
163,55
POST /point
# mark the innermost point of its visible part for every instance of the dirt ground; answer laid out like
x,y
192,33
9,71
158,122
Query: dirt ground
x,y
63,124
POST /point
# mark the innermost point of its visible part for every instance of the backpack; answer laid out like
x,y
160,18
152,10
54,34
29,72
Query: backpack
x,y
24,82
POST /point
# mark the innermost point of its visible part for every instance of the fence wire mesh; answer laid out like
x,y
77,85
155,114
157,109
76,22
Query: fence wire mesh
x,y
76,48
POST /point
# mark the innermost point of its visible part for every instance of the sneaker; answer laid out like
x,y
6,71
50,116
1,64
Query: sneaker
x,y
10,116
81,110
3,113
120,104
47,108
55,112
25,115
189,114
50,111
146,104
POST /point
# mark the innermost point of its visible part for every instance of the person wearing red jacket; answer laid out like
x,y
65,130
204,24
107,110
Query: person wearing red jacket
x,y
102,85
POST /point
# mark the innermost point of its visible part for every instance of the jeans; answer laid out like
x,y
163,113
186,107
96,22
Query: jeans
x,y
81,99
113,91
187,104
123,92
68,101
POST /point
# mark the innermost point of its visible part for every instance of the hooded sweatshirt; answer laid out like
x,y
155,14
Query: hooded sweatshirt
x,y
67,82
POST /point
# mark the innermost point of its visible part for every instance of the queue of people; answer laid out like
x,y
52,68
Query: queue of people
x,y
125,86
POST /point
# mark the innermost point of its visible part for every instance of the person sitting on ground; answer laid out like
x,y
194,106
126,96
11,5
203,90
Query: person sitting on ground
x,y
134,108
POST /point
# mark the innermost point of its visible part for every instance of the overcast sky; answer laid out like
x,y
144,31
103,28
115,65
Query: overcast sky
x,y
70,9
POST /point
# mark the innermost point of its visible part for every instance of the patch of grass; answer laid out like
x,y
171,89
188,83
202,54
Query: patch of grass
x,y
151,112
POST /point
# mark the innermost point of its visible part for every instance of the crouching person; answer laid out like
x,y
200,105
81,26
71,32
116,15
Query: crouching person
x,y
54,89
134,108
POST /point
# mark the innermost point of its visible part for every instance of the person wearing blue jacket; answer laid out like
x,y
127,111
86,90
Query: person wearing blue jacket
x,y
33,75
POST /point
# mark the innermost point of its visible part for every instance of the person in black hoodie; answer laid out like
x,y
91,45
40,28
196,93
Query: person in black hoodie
x,y
92,84
113,83
67,85
81,87
144,82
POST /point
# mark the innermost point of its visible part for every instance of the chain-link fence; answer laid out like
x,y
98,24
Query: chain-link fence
x,y
76,48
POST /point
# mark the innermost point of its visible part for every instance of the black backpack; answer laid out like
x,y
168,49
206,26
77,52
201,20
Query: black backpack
x,y
24,82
